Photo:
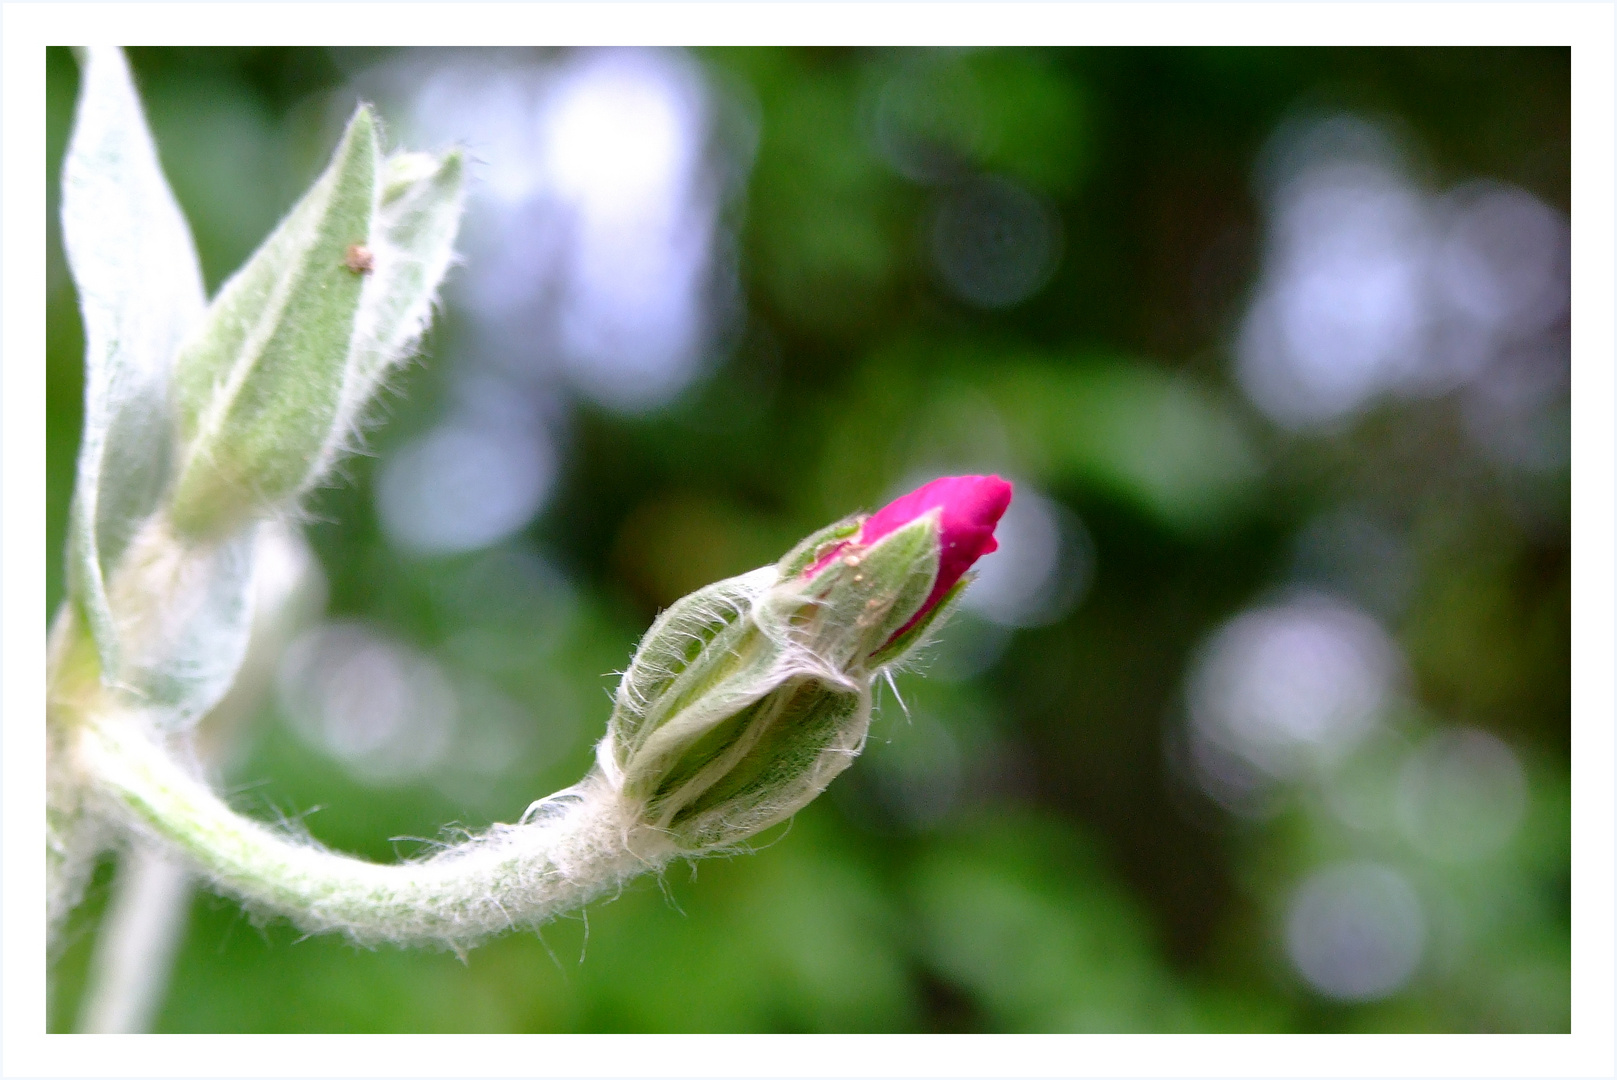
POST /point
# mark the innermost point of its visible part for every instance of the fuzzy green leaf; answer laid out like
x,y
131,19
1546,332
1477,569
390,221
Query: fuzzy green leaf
x,y
140,292
413,244
184,611
260,387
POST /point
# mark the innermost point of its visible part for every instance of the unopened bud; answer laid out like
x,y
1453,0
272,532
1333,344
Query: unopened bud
x,y
747,697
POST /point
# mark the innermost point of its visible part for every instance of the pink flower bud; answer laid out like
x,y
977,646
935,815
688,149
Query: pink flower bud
x,y
746,697
968,508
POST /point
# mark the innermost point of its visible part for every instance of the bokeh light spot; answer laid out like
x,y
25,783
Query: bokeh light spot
x,y
994,243
1291,686
1355,931
1462,795
1043,568
1374,286
386,711
459,487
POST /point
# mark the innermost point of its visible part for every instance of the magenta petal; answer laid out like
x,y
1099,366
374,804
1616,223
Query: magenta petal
x,y
968,508
971,506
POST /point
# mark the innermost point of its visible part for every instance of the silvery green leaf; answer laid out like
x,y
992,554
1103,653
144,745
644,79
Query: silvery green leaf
x,y
259,387
184,613
140,291
412,246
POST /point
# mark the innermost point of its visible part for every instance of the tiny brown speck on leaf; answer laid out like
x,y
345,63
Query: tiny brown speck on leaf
x,y
359,259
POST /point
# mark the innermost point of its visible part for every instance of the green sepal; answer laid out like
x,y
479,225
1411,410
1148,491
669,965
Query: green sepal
x,y
746,698
907,561
690,658
719,729
849,609
809,551
917,635
795,741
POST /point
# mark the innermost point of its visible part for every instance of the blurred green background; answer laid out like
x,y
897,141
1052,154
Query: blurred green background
x,y
1259,721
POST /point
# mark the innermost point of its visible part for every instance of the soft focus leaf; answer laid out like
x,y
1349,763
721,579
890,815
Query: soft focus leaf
x,y
140,291
1014,911
1004,110
1034,117
1169,444
827,235
1173,447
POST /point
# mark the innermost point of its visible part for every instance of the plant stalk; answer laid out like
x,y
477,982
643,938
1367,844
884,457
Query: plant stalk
x,y
582,844
134,949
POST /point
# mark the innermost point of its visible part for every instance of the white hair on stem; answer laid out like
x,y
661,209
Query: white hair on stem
x,y
582,844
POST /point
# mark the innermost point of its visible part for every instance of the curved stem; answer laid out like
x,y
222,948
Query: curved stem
x,y
512,876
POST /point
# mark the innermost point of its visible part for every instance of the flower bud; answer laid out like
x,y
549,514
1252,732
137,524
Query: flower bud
x,y
747,697
964,511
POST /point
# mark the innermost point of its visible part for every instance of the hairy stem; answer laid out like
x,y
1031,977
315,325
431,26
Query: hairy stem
x,y
583,845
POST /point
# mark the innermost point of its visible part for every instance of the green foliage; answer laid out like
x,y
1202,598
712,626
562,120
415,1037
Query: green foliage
x,y
202,421
1171,446
140,292
1018,914
259,383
